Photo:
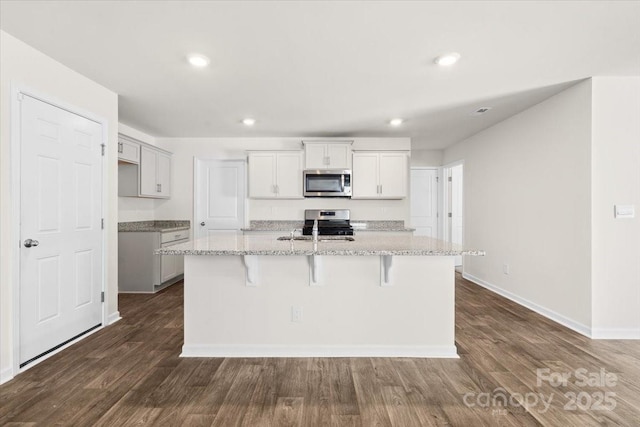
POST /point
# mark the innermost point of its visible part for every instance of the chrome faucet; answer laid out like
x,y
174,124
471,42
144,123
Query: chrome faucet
x,y
314,231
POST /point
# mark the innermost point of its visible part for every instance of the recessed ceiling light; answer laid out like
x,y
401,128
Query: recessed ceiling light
x,y
396,122
249,121
447,59
198,60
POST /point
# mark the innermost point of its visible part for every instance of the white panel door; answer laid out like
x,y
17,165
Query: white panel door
x,y
219,196
61,235
424,201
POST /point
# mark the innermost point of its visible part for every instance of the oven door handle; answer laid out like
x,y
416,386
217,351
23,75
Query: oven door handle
x,y
342,182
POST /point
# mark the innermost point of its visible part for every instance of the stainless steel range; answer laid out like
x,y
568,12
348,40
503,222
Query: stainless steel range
x,y
330,222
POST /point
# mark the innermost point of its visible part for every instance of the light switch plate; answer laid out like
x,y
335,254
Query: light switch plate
x,y
625,211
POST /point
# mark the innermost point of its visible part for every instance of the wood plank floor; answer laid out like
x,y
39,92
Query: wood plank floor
x,y
130,374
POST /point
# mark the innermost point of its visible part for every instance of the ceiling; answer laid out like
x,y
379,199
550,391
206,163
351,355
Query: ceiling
x,y
338,68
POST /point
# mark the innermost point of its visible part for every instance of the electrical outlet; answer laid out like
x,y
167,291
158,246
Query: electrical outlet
x,y
505,268
296,313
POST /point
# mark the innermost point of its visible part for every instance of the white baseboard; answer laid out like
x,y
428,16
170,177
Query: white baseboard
x,y
549,314
6,375
113,318
318,351
615,334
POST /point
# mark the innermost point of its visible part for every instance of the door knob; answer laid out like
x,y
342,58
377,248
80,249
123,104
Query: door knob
x,y
202,223
29,243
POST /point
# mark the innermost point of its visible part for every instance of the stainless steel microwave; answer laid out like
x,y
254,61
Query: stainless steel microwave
x,y
327,183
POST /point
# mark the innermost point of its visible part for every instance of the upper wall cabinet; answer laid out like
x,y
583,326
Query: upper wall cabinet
x,y
128,150
275,174
149,177
380,175
155,173
327,155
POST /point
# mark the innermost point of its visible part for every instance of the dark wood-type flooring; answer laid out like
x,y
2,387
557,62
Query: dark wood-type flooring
x,y
130,374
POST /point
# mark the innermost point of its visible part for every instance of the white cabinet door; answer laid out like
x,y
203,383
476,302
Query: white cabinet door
x,y
289,175
275,174
262,175
169,268
339,155
164,175
148,172
155,173
392,174
128,151
327,155
315,156
379,175
364,180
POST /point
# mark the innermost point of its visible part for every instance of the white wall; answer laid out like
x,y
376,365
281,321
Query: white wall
x,y
528,204
22,65
136,208
426,157
616,180
180,206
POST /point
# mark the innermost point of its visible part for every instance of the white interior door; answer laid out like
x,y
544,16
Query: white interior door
x,y
219,196
60,227
424,201
456,223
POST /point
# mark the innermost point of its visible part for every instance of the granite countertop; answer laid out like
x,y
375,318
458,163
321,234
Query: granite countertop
x,y
358,225
154,226
252,244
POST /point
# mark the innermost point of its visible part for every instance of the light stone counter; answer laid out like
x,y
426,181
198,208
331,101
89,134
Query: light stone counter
x,y
403,244
153,226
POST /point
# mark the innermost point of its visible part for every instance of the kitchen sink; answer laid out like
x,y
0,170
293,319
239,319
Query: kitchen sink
x,y
320,239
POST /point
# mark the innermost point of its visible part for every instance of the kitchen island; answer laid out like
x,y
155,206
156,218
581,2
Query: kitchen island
x,y
248,295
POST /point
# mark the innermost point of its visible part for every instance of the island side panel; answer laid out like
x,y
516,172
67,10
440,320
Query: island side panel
x,y
349,315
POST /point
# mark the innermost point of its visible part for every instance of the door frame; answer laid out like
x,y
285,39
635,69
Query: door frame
x,y
18,90
194,207
445,202
439,187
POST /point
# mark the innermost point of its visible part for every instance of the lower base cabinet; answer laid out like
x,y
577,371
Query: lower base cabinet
x,y
139,269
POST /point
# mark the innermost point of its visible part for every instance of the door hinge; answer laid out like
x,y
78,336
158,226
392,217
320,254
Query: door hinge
x,y
102,223
450,179
20,96
103,148
437,179
450,215
102,296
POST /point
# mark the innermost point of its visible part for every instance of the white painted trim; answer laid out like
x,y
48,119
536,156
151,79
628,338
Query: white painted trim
x,y
615,334
113,318
318,351
549,314
15,109
6,375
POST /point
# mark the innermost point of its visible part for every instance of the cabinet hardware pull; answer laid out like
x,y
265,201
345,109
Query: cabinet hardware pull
x,y
159,188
